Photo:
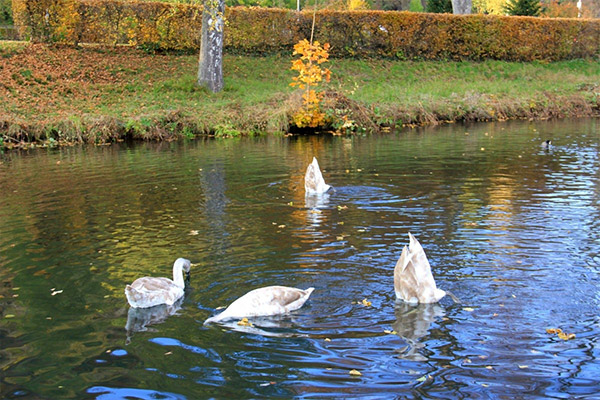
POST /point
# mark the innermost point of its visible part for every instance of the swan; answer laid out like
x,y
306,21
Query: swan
x,y
149,291
413,281
313,180
265,301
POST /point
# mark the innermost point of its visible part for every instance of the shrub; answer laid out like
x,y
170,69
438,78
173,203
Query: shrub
x,y
439,6
530,8
405,35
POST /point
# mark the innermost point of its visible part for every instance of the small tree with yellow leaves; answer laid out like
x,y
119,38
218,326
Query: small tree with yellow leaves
x,y
310,74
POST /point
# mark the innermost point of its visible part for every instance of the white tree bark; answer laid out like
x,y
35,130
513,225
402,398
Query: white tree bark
x,y
461,6
210,70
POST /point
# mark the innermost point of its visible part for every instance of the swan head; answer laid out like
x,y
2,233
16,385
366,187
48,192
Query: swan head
x,y
185,266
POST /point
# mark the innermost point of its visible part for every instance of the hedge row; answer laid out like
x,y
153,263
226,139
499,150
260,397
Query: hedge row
x,y
403,35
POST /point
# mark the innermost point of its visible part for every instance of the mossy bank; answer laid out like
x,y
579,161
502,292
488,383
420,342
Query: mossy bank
x,y
105,94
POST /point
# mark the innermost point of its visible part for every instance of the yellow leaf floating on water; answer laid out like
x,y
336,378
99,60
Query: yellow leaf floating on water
x,y
327,339
244,322
523,366
561,335
469,309
366,303
566,336
354,372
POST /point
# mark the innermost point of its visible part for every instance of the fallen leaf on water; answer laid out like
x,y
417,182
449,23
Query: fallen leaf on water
x,y
389,332
327,339
355,372
342,207
366,303
566,336
316,211
193,233
523,366
489,367
54,293
291,203
469,309
281,226
339,237
423,378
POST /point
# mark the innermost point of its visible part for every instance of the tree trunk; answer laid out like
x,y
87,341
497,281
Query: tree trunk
x,y
210,70
461,6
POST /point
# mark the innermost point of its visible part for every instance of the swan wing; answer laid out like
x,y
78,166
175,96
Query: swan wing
x,y
150,291
313,179
266,301
413,280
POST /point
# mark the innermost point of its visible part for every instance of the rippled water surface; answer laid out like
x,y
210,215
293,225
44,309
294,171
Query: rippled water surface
x,y
511,229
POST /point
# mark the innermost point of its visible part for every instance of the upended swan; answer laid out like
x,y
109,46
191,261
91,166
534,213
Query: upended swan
x,y
150,291
413,281
313,179
265,301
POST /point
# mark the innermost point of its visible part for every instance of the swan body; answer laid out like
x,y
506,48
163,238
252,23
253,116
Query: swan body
x,y
313,179
150,291
413,280
265,301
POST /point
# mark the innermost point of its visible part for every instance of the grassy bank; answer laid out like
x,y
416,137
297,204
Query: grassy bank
x,y
107,94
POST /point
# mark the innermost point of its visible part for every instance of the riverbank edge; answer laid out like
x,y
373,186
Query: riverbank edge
x,y
269,113
345,117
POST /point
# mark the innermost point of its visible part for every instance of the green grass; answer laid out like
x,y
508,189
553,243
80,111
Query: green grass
x,y
146,91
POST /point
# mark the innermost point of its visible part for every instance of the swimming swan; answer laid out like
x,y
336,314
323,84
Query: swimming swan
x,y
413,281
270,300
149,291
313,180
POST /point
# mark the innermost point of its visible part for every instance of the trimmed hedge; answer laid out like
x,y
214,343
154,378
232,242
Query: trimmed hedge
x,y
402,35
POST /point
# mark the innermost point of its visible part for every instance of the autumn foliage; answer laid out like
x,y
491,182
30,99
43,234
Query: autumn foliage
x,y
310,74
389,34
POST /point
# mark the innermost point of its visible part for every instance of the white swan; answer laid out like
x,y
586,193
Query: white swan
x,y
413,281
313,179
149,291
270,300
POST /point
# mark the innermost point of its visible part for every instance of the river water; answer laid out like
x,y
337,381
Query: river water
x,y
511,229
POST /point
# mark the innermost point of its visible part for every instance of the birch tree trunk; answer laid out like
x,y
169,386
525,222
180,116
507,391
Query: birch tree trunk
x,y
210,70
461,6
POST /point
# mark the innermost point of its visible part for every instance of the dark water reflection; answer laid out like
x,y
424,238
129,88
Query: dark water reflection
x,y
510,228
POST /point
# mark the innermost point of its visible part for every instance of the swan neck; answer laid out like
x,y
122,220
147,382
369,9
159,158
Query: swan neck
x,y
178,275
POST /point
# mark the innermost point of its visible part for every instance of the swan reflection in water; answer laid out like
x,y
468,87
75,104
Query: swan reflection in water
x,y
412,323
282,326
141,319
